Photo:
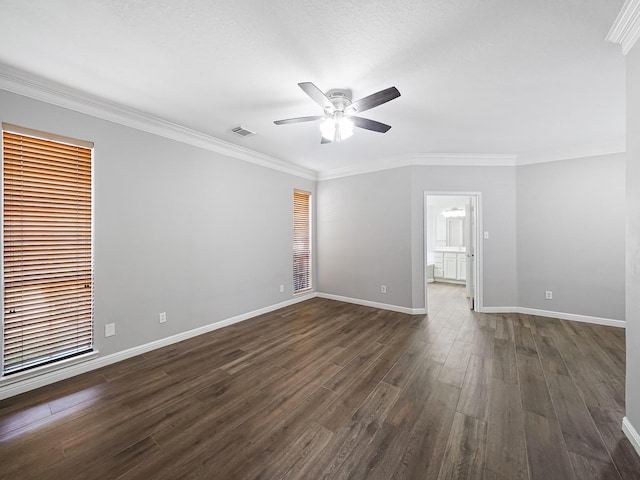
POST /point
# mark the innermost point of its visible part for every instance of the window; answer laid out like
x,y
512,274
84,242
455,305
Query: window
x,y
301,241
47,248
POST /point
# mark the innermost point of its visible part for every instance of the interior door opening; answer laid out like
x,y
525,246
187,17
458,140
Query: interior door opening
x,y
451,250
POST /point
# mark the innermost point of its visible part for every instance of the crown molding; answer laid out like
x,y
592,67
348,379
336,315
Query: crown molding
x,y
626,29
469,160
556,156
38,88
423,159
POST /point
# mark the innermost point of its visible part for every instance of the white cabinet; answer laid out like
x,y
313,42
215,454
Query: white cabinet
x,y
450,266
462,266
438,267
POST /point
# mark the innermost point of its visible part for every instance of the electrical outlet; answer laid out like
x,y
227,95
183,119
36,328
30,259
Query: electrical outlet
x,y
109,329
383,289
162,316
281,288
548,295
486,235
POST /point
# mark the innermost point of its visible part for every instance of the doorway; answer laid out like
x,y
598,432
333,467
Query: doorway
x,y
452,250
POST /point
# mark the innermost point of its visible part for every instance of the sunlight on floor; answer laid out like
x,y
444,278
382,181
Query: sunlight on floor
x,y
44,414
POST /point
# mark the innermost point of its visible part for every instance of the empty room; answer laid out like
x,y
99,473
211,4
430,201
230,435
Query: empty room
x,y
320,240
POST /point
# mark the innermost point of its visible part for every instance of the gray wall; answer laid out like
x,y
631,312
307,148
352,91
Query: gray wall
x,y
552,226
364,236
633,236
177,228
497,188
371,232
570,224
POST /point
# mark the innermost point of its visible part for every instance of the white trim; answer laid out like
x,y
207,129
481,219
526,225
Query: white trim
x,y
626,28
38,88
427,159
10,387
574,317
499,310
24,385
51,137
564,316
48,368
631,433
545,157
367,303
468,160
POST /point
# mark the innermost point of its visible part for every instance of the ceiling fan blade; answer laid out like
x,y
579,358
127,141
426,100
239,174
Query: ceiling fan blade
x,y
370,124
298,120
324,140
317,96
383,96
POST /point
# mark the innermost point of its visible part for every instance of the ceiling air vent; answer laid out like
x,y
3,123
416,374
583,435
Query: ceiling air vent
x,y
242,131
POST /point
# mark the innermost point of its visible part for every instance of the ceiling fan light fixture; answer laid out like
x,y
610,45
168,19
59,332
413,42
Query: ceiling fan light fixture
x,y
339,119
336,129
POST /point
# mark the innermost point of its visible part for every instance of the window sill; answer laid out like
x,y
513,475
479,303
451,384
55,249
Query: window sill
x,y
302,292
45,369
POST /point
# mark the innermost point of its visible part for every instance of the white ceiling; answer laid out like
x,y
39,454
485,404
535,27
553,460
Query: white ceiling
x,y
532,78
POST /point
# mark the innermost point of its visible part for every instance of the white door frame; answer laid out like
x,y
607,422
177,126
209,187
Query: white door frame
x,y
478,296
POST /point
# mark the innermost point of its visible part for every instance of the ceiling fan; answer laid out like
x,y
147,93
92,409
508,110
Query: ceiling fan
x,y
339,112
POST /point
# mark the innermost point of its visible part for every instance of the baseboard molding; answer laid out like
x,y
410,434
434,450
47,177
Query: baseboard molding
x,y
574,317
632,434
498,310
11,387
367,303
564,316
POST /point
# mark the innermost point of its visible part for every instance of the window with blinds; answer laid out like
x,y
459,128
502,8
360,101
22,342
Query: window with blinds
x,y
47,248
301,241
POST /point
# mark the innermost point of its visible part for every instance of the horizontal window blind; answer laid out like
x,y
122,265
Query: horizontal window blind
x,y
301,240
47,250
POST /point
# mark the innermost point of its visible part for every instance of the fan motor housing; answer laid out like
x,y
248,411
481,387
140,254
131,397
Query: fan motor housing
x,y
340,99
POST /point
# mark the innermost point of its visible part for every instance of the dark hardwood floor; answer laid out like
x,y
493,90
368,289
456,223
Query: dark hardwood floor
x,y
327,390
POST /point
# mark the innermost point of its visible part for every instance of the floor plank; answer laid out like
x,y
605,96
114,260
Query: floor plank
x,y
578,429
427,438
505,367
506,451
533,387
586,468
546,452
474,396
549,355
464,455
455,367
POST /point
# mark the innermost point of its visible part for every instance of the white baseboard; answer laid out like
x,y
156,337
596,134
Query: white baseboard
x,y
631,433
10,387
367,303
564,316
498,310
